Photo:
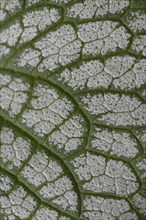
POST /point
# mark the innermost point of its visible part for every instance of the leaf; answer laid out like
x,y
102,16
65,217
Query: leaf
x,y
73,88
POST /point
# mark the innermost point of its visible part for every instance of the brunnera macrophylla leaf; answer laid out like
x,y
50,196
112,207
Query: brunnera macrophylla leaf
x,y
73,103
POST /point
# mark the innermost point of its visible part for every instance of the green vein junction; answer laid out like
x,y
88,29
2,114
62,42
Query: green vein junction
x,y
72,99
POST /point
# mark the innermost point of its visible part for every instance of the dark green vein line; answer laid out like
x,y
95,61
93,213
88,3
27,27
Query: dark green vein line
x,y
41,200
122,128
114,91
57,156
65,91
22,11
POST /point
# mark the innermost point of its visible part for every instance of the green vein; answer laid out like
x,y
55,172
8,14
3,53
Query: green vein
x,y
41,200
57,156
50,78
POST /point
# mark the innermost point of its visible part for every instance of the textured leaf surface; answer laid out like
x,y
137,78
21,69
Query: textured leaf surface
x,y
73,109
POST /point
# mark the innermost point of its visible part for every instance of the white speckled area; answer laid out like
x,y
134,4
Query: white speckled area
x,y
73,110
